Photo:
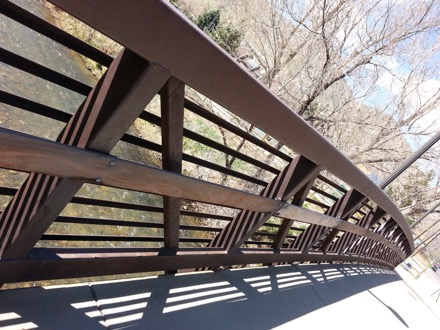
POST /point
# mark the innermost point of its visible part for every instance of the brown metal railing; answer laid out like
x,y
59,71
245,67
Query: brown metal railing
x,y
271,208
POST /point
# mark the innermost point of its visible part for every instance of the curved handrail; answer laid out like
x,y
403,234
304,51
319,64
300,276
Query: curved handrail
x,y
161,35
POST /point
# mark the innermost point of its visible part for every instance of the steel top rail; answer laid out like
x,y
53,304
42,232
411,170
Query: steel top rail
x,y
197,212
158,33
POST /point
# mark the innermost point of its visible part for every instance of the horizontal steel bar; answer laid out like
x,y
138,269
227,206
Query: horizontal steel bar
x,y
293,212
205,215
107,222
314,202
191,106
324,193
227,150
137,141
140,207
100,252
34,107
126,223
8,191
222,169
100,238
27,153
332,184
114,204
41,71
151,118
31,154
114,238
191,159
141,224
39,25
93,264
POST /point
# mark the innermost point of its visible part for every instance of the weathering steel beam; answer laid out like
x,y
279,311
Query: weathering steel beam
x,y
410,160
41,71
204,66
121,95
172,97
30,154
298,199
39,25
33,270
432,209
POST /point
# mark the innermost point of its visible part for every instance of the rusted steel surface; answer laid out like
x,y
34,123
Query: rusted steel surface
x,y
39,25
200,61
298,200
172,113
80,266
103,118
297,174
41,71
263,220
25,153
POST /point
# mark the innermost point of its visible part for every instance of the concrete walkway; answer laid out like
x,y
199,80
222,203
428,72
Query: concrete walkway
x,y
287,297
426,287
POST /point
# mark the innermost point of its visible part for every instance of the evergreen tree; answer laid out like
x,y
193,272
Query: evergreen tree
x,y
225,36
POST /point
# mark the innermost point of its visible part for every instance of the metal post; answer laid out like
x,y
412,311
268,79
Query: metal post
x,y
408,162
432,209
425,230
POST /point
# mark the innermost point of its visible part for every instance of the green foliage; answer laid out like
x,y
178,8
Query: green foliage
x,y
225,36
200,126
228,38
239,165
208,21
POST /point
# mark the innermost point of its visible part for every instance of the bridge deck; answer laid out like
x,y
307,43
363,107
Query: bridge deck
x,y
296,296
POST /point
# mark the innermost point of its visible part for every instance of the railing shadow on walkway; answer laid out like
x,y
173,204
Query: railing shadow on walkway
x,y
259,298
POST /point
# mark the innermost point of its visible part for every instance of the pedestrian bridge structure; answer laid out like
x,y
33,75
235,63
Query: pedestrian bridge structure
x,y
284,297
290,197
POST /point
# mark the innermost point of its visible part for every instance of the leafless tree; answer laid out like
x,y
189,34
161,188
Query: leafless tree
x,y
364,73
